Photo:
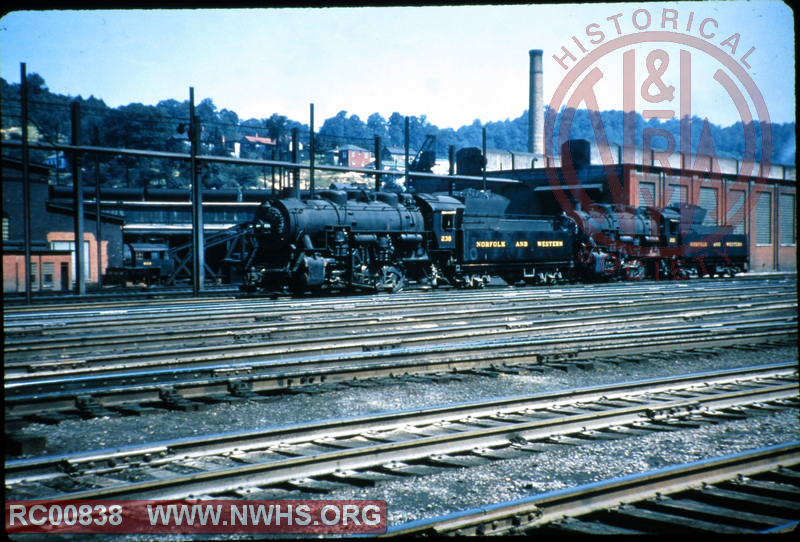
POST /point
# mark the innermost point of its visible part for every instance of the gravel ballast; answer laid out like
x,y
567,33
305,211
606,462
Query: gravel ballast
x,y
557,466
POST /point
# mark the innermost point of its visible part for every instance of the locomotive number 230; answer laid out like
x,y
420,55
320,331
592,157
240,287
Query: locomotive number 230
x,y
446,239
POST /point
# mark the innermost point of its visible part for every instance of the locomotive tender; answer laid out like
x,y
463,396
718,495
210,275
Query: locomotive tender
x,y
359,239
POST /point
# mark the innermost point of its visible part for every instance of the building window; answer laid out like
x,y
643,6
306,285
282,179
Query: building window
x,y
647,194
764,219
34,276
48,275
736,214
708,201
787,219
679,194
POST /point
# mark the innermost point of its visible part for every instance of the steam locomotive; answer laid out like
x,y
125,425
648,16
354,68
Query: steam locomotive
x,y
381,241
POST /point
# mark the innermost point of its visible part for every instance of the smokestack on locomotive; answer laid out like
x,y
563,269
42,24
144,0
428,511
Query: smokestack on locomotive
x,y
536,105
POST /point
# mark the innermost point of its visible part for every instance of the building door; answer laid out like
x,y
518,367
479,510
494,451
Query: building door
x,y
69,245
65,281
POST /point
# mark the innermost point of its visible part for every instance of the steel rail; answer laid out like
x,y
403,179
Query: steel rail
x,y
104,315
278,357
128,319
354,425
212,292
112,351
371,456
542,509
61,321
118,389
241,323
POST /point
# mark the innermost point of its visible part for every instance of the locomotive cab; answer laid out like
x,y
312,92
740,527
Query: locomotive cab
x,y
444,216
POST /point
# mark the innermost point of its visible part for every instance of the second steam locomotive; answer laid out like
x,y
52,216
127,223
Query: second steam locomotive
x,y
355,238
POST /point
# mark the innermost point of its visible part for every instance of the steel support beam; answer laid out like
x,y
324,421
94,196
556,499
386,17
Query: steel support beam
x,y
26,185
311,151
198,241
377,163
77,192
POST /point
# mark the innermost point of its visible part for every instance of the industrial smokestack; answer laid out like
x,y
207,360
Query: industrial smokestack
x,y
536,105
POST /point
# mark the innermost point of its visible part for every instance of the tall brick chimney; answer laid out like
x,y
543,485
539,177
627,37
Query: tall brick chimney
x,y
536,105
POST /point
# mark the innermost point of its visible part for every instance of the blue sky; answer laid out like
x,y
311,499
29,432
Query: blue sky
x,y
452,64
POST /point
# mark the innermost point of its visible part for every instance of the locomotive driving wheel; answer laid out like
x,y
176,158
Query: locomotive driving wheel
x,y
634,270
586,253
391,279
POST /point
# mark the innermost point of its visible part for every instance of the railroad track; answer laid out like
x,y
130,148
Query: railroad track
x,y
343,335
54,345
333,344
118,295
103,317
746,493
366,450
229,377
157,295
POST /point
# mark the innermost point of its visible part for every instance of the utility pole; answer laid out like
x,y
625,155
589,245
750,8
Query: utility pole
x,y
311,151
483,165
26,184
377,163
96,143
77,192
407,137
198,240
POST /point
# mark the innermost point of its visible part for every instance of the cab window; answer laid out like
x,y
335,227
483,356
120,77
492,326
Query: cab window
x,y
448,220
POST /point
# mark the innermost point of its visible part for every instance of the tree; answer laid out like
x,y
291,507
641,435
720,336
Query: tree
x,y
276,127
377,125
206,111
179,111
137,126
397,129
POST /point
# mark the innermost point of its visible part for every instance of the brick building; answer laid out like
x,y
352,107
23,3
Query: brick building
x,y
52,265
352,156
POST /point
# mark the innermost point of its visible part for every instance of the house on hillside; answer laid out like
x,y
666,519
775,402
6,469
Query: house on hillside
x,y
239,144
393,154
349,156
179,142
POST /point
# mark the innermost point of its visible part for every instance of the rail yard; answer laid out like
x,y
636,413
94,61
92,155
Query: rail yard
x,y
584,338
468,412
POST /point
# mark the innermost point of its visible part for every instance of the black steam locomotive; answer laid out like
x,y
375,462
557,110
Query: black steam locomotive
x,y
673,242
355,238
